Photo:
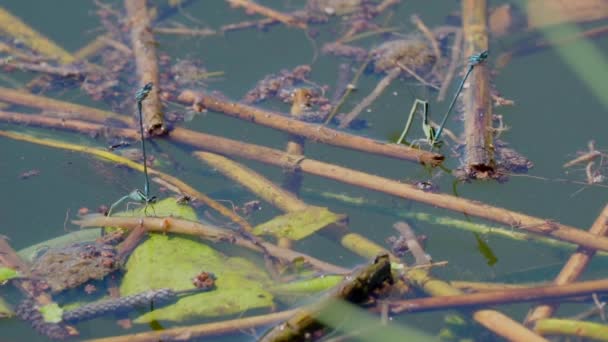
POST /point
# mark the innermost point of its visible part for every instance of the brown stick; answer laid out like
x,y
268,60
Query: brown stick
x,y
479,152
551,292
310,131
269,13
345,175
206,329
574,267
70,109
369,99
143,46
178,226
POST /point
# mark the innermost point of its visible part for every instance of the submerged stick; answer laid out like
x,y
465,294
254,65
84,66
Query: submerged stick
x,y
200,330
392,75
508,296
208,232
479,148
144,49
311,131
71,110
574,268
388,186
14,27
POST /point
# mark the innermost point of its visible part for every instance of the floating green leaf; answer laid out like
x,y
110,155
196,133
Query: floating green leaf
x,y
298,224
7,274
51,313
170,261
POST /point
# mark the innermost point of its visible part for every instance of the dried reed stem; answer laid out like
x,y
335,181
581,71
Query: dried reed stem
x,y
311,131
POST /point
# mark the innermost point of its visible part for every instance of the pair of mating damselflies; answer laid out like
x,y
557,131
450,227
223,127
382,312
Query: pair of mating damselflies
x,y
137,195
431,136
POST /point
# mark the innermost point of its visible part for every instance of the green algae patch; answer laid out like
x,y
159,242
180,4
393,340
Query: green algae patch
x,y
172,261
298,224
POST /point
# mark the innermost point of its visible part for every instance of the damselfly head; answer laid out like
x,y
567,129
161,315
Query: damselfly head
x,y
142,93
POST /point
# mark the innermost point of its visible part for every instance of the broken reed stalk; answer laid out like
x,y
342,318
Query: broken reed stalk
x,y
238,325
507,296
86,127
579,330
253,7
144,49
62,108
16,28
179,226
311,131
392,75
345,175
574,268
356,288
286,201
479,150
10,258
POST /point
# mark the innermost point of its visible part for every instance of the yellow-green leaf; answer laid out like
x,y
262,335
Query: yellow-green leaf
x,y
298,224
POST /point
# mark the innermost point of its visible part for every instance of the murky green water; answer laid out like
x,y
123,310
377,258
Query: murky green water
x,y
554,117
